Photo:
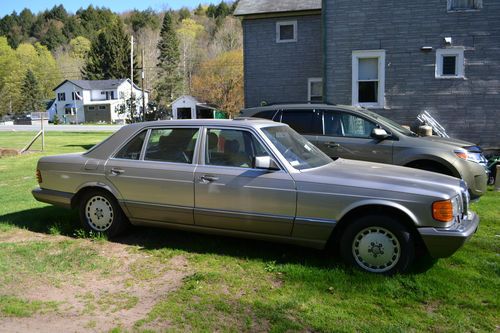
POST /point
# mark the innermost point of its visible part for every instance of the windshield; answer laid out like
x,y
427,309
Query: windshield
x,y
390,123
300,153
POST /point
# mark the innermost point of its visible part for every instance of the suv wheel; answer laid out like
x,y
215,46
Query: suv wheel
x,y
377,244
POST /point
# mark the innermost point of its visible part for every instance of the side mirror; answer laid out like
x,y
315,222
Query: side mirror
x,y
379,134
265,162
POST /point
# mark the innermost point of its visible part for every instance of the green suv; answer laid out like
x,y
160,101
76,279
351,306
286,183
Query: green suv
x,y
357,133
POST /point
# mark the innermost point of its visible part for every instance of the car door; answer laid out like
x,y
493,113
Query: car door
x,y
231,194
154,173
348,135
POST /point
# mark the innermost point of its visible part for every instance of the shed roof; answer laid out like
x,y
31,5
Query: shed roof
x,y
251,7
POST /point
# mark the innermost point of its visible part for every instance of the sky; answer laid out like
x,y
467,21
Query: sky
x,y
119,6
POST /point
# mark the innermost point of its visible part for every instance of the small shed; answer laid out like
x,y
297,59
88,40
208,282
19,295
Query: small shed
x,y
188,107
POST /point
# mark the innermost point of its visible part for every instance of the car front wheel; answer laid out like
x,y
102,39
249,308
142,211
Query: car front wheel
x,y
377,244
100,212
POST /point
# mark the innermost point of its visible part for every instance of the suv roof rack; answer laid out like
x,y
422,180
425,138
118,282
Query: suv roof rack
x,y
298,102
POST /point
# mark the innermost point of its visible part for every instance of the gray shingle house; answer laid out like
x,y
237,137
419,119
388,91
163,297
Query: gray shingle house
x,y
397,58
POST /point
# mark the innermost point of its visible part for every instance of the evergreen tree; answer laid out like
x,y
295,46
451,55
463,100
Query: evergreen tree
x,y
169,83
109,55
31,94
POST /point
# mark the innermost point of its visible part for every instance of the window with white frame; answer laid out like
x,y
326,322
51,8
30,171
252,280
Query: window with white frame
x,y
286,31
457,5
450,63
368,78
315,89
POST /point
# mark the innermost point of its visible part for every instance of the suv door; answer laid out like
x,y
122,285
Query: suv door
x,y
348,135
154,173
231,194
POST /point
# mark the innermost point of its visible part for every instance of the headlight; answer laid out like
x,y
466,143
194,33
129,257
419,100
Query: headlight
x,y
446,210
473,156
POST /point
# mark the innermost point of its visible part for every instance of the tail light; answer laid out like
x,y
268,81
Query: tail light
x,y
38,176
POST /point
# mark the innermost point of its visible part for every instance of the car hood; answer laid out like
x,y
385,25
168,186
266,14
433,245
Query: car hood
x,y
448,141
378,178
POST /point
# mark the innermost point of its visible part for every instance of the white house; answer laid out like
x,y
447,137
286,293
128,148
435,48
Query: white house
x,y
79,101
188,107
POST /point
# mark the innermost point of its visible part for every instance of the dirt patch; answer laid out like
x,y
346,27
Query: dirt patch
x,y
95,302
6,152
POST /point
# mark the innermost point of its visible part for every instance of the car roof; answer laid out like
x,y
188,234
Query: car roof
x,y
108,146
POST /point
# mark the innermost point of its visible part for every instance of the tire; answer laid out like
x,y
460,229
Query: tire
x,y
100,212
377,244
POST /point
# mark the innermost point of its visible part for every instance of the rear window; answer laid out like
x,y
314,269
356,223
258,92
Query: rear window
x,y
303,121
265,114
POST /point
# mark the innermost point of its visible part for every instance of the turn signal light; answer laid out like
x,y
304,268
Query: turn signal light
x,y
442,211
38,176
461,154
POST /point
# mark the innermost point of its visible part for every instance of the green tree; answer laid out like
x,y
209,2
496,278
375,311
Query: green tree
x,y
168,85
31,94
109,55
143,19
184,13
80,46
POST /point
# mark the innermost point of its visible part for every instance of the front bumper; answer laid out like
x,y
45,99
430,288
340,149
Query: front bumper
x,y
57,198
443,242
475,176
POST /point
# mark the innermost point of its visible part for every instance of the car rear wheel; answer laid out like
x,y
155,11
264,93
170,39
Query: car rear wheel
x,y
377,244
100,212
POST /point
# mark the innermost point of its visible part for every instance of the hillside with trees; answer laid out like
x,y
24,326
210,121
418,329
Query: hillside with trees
x,y
186,51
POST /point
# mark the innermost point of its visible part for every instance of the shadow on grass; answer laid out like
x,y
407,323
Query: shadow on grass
x,y
50,220
86,147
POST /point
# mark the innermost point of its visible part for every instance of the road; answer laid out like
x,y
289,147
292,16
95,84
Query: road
x,y
63,128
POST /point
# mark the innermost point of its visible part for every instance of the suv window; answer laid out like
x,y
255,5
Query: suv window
x,y
269,114
233,148
132,150
355,126
171,145
333,123
303,121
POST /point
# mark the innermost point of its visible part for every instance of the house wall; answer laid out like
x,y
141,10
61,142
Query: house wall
x,y
468,108
68,88
278,72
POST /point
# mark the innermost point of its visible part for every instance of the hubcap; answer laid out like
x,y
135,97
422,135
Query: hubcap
x,y
376,249
99,213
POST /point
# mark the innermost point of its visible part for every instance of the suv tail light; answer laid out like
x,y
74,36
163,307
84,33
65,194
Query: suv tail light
x,y
38,176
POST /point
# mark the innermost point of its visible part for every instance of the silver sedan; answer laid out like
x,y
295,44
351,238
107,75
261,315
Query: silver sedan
x,y
259,179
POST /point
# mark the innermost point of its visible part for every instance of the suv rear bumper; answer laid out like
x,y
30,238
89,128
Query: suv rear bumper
x,y
57,198
443,242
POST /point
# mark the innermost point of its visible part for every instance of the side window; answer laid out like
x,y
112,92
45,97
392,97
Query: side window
x,y
233,148
333,124
171,145
355,126
303,121
269,114
132,150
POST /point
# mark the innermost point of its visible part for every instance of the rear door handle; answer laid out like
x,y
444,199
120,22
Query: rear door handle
x,y
208,179
117,172
332,145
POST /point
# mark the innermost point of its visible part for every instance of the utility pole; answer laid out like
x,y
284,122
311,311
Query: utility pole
x,y
131,74
142,83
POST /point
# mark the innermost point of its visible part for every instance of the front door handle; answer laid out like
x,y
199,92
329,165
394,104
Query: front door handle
x,y
332,144
116,171
208,179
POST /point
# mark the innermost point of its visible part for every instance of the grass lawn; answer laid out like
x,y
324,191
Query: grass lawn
x,y
208,283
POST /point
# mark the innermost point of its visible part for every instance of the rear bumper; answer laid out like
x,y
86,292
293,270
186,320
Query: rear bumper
x,y
57,198
443,242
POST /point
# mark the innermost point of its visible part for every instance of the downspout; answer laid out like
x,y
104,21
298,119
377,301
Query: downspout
x,y
324,39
